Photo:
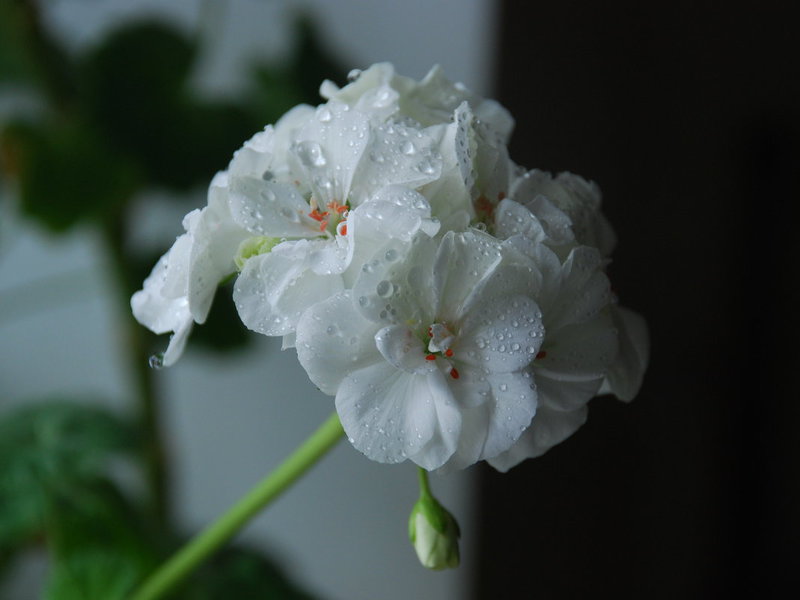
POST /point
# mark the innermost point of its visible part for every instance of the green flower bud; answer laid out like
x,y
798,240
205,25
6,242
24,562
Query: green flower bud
x,y
253,247
434,533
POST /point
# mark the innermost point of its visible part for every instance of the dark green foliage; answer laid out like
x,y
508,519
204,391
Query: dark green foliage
x,y
243,574
135,87
67,173
49,450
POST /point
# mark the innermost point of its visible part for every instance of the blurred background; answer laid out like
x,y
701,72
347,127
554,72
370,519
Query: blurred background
x,y
686,115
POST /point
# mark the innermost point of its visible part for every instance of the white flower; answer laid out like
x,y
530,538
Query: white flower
x,y
579,346
428,357
564,212
455,305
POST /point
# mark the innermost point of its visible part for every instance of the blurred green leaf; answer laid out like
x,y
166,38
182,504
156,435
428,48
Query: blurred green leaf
x,y
311,62
135,88
100,546
277,88
243,574
66,173
16,63
48,447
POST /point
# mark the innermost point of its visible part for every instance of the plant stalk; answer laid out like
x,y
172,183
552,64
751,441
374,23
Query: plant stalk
x,y
225,527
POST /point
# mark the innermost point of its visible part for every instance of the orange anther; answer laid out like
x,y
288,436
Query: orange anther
x,y
343,229
318,216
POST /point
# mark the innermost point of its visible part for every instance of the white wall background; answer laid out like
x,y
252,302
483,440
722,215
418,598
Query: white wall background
x,y
342,530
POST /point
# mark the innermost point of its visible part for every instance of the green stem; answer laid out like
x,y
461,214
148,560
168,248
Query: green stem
x,y
424,488
225,527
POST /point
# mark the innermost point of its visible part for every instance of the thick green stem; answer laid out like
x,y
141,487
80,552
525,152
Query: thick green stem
x,y
225,527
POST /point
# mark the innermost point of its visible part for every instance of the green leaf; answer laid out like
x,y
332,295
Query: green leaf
x,y
47,447
16,64
100,546
136,90
243,574
66,173
276,89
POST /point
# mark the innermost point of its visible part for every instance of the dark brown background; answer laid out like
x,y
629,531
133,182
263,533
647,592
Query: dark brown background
x,y
687,115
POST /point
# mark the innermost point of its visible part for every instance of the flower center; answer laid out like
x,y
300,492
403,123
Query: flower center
x,y
332,220
441,338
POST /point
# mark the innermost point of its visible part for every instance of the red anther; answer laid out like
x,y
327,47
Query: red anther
x,y
448,353
484,205
318,216
541,354
430,357
430,331
343,229
336,207
454,374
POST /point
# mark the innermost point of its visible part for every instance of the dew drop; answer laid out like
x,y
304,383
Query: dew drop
x,y
384,289
157,361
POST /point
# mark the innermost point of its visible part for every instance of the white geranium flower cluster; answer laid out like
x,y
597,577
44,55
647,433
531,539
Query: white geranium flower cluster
x,y
455,304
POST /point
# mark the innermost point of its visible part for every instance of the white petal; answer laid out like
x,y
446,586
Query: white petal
x,y
255,157
396,155
501,336
583,292
271,209
579,352
548,429
333,339
391,415
402,349
493,427
511,218
394,286
563,395
328,149
215,241
626,373
463,260
274,289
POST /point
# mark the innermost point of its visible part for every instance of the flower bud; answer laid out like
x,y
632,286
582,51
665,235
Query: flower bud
x,y
434,533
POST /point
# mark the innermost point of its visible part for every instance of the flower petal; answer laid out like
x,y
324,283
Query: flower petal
x,y
273,290
501,336
391,415
271,209
579,352
549,428
333,339
462,262
402,349
624,377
